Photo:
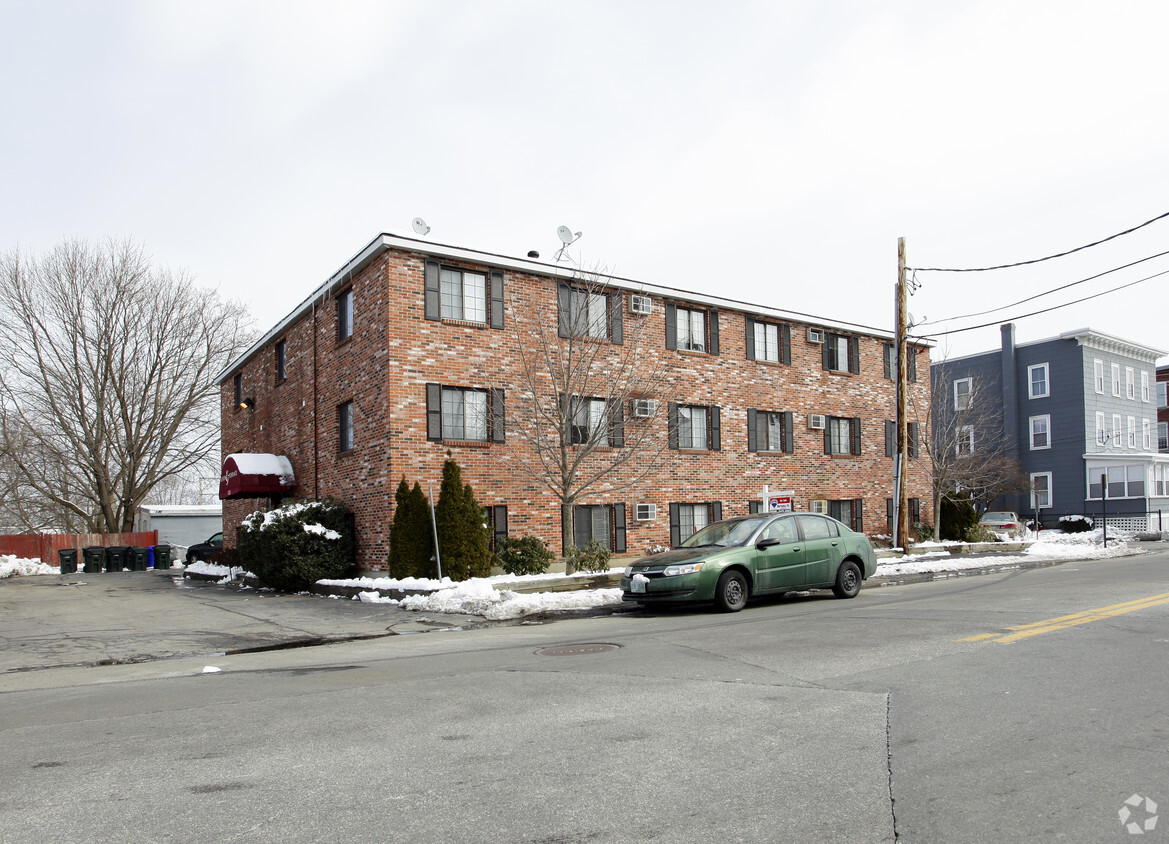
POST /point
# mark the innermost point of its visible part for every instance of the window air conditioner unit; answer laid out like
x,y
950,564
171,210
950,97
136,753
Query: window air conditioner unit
x,y
816,422
647,512
644,408
641,304
819,505
815,335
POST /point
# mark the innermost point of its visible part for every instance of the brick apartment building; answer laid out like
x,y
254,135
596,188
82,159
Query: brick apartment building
x,y
411,352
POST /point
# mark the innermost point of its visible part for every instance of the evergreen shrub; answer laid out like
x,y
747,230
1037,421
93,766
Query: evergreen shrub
x,y
524,555
1075,524
592,556
411,535
292,547
958,520
463,535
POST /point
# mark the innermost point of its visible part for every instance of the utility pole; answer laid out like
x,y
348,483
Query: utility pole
x,y
900,509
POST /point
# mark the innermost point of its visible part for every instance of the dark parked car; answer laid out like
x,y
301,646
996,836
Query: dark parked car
x,y
203,551
735,559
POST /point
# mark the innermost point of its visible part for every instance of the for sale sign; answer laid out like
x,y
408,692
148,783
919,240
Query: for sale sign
x,y
779,503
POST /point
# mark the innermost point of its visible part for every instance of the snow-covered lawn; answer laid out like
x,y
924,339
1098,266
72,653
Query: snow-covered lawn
x,y
1050,545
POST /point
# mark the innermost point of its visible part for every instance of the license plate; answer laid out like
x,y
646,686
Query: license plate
x,y
637,585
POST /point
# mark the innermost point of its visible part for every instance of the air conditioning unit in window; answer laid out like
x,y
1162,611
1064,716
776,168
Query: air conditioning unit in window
x,y
644,408
647,512
816,422
815,335
819,505
641,304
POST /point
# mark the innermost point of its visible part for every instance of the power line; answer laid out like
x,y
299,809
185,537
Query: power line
x,y
1039,260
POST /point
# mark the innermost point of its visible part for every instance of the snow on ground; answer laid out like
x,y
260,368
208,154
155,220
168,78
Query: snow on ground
x,y
13,566
225,573
1050,545
478,596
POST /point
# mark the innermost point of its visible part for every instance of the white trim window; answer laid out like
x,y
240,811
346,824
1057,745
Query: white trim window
x,y
345,427
1040,490
692,427
1147,434
691,329
1040,431
767,337
963,393
1098,371
1123,481
1116,431
1038,385
1145,395
1130,383
1163,436
965,443
1132,432
464,414
463,295
1162,394
1101,429
1161,478
1116,380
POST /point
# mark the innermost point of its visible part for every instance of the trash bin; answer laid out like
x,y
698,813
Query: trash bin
x,y
161,557
68,560
117,558
137,558
94,556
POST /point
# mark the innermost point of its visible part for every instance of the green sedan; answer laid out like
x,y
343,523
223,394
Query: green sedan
x,y
765,554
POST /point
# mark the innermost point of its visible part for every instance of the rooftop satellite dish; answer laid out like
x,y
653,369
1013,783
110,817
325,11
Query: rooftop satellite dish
x,y
567,238
419,226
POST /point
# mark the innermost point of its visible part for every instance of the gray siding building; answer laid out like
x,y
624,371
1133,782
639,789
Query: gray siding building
x,y
1079,411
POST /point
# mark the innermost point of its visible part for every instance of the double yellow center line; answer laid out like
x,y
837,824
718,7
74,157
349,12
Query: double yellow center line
x,y
1051,625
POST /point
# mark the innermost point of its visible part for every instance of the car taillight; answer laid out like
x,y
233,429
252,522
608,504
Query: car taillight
x,y
1008,524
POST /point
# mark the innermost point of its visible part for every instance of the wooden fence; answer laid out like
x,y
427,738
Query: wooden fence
x,y
44,546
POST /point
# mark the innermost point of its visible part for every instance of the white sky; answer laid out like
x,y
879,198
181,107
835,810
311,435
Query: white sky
x,y
766,151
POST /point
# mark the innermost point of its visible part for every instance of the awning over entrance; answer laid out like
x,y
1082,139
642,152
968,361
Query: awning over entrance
x,y
256,476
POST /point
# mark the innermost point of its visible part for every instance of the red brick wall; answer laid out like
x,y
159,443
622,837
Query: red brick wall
x,y
395,351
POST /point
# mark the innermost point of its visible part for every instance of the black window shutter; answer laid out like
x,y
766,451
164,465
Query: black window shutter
x,y
828,435
712,346
434,412
433,301
856,435
752,434
887,360
858,519
889,514
749,337
911,363
826,351
716,511
671,325
854,354
619,529
754,506
789,445
785,349
495,293
890,438
716,442
498,426
672,424
582,525
616,317
564,303
912,439
499,522
616,424
675,526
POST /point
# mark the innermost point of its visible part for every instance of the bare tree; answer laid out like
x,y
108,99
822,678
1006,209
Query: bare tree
x,y
586,413
964,437
107,387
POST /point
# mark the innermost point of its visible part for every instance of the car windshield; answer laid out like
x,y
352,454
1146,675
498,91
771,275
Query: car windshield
x,y
998,517
728,534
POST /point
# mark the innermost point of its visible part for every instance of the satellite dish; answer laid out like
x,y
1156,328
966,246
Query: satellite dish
x,y
419,226
565,235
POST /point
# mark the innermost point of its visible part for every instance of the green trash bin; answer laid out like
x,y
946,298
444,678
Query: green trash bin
x,y
138,558
117,558
68,560
161,557
93,557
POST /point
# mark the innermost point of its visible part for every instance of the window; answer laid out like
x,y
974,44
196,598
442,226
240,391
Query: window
x,y
1162,393
1123,481
1130,383
1132,432
1040,432
847,511
462,414
963,392
841,354
768,431
911,439
587,314
1144,386
497,521
1161,479
345,426
344,315
686,519
1037,386
1147,434
769,342
1163,436
239,390
914,509
695,427
1040,490
965,443
603,522
463,295
842,435
1098,370
1101,429
688,328
1116,379
281,372
589,421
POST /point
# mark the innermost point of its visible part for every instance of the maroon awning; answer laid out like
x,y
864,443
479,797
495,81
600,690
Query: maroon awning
x,y
256,476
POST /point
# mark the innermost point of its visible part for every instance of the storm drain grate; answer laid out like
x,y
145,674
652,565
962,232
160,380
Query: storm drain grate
x,y
575,650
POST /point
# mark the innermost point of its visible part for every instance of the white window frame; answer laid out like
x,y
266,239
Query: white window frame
x,y
1037,490
461,423
1162,394
690,328
1101,429
1043,420
1031,392
965,443
587,419
839,352
839,435
1163,436
969,394
1130,383
1098,371
692,435
588,314
344,315
1147,434
462,295
1116,430
1145,393
1132,432
767,342
1116,380
345,427
692,518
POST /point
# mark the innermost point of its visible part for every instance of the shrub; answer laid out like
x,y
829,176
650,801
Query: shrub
x,y
958,520
524,555
411,535
592,556
462,528
1075,524
294,546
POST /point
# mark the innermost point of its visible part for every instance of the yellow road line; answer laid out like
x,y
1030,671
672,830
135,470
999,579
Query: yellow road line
x,y
1063,622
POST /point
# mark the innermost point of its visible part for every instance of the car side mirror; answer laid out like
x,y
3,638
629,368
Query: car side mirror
x,y
768,543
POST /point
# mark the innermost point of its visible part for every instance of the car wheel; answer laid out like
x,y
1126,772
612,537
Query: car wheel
x,y
730,595
192,558
848,580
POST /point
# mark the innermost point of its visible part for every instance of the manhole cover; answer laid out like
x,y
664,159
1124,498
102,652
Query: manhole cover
x,y
574,650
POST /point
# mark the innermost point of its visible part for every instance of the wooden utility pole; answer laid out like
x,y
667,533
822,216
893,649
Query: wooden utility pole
x,y
901,511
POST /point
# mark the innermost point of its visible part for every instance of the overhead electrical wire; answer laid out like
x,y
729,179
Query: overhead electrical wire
x,y
1039,260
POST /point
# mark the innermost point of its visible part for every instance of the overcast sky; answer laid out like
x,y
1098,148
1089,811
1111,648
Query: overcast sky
x,y
771,152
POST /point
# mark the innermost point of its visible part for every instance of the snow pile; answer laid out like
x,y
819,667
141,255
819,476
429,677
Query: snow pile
x,y
321,530
430,584
477,596
13,566
1050,545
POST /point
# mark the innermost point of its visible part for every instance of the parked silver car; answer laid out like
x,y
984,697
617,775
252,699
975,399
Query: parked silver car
x,y
1004,521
